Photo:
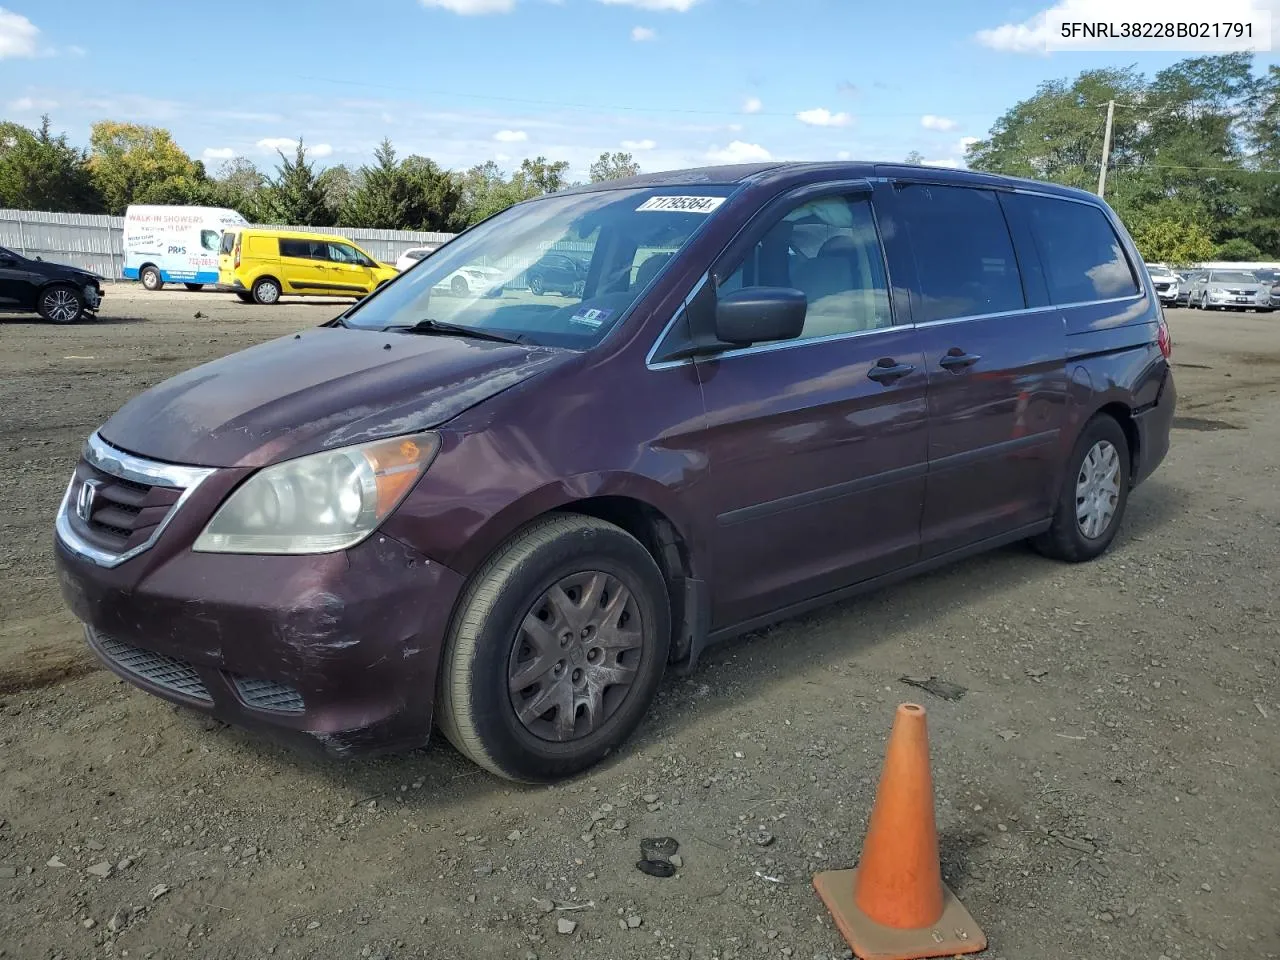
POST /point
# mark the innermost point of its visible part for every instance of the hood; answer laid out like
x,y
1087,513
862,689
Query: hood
x,y
322,388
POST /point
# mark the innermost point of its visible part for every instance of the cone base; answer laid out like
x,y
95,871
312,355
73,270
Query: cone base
x,y
954,933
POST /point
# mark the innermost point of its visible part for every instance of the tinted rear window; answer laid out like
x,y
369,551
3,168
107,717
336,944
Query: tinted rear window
x,y
228,243
965,264
1082,256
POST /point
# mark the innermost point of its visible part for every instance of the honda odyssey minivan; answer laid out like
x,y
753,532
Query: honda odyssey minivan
x,y
778,385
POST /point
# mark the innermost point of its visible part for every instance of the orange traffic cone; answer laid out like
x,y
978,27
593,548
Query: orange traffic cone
x,y
894,906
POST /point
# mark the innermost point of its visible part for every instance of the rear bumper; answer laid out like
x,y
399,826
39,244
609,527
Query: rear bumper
x,y
1155,425
337,652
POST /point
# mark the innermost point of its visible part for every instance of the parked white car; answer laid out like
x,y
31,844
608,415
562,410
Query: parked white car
x,y
1166,282
465,280
414,254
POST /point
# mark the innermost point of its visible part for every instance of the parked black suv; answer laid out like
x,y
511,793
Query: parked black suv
x,y
60,294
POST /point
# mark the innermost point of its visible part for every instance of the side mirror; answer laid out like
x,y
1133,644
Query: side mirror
x,y
760,315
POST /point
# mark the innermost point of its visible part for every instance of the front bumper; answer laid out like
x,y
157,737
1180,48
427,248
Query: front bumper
x,y
337,651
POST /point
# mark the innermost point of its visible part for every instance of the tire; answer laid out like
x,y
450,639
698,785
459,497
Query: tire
x,y
1066,539
151,278
266,291
244,297
61,304
194,287
458,287
486,643
537,287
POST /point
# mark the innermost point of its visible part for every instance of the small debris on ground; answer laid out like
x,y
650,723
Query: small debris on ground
x,y
939,688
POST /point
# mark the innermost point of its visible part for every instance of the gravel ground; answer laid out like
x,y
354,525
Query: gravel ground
x,y
1108,786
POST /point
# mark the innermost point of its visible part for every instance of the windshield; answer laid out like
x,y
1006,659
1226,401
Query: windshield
x,y
557,271
1232,276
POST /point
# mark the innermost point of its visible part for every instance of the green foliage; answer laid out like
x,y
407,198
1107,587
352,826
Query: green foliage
x,y
295,197
613,166
1198,144
39,171
1178,243
237,185
1237,248
133,163
915,156
413,194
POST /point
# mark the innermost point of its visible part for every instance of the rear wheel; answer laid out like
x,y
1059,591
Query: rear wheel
x,y
458,287
537,287
245,297
1095,490
556,651
266,291
151,278
61,305
194,286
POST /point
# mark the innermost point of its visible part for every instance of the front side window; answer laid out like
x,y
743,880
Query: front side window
x,y
965,265
1082,256
341,253
624,237
829,250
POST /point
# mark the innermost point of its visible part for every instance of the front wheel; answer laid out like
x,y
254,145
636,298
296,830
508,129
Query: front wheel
x,y
556,650
151,278
537,287
458,287
61,305
266,291
1095,491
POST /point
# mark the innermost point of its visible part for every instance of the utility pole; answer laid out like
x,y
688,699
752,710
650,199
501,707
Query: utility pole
x,y
1106,148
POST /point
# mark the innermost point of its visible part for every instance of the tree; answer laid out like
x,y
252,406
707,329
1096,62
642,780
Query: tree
x,y
485,191
413,194
132,163
239,185
339,182
613,166
1237,248
539,176
915,156
295,197
1175,242
39,171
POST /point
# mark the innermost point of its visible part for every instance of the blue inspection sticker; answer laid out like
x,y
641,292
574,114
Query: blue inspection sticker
x,y
591,318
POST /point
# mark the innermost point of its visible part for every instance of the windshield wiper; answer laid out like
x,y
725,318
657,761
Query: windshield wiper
x,y
455,329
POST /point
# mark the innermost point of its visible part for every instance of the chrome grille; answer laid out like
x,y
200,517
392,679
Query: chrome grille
x,y
168,673
269,695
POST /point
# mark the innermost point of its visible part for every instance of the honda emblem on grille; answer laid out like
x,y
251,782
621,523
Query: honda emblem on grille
x,y
85,498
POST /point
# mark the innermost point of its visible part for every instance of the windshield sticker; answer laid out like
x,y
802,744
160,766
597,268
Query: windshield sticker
x,y
590,318
680,204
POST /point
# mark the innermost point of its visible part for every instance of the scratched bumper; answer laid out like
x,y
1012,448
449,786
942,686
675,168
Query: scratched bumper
x,y
356,635
1154,428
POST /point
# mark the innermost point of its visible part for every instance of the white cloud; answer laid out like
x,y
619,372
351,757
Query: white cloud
x,y
931,122
218,153
844,155
967,142
641,34
29,104
272,144
679,6
739,152
17,35
471,8
752,105
511,136
1033,34
822,117
638,146
319,150
948,162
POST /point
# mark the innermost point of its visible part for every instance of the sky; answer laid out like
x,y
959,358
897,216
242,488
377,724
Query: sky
x,y
676,83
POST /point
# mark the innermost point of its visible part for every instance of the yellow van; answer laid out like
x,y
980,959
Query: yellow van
x,y
259,265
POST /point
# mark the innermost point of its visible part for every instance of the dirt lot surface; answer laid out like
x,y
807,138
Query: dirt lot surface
x,y
1109,785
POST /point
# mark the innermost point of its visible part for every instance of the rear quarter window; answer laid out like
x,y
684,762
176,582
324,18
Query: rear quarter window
x,y
1083,258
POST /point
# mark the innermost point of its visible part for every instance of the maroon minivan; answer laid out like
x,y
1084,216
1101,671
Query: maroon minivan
x,y
779,384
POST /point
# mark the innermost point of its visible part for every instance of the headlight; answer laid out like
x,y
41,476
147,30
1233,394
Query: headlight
x,y
320,503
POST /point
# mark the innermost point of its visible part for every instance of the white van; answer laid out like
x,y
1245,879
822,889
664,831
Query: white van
x,y
171,244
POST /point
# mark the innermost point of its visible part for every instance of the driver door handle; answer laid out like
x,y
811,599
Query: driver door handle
x,y
886,371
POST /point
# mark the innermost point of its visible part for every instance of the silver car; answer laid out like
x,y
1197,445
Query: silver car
x,y
1230,290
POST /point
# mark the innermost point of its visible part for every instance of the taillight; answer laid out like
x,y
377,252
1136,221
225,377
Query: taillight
x,y
1163,338
237,253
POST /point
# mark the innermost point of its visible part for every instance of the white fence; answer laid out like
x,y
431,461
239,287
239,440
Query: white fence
x,y
96,242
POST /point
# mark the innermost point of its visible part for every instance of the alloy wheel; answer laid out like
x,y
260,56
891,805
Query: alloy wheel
x,y
61,306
